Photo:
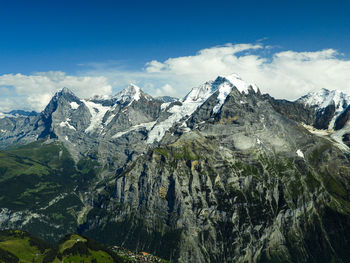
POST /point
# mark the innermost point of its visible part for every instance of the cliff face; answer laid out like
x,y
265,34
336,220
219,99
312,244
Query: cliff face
x,y
223,175
246,184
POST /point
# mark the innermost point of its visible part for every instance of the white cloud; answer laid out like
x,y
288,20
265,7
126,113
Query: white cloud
x,y
36,90
166,90
284,74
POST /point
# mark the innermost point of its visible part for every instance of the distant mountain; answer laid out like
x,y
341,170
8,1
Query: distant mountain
x,y
167,99
225,174
22,113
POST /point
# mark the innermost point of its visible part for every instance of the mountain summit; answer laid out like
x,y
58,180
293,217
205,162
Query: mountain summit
x,y
130,94
224,174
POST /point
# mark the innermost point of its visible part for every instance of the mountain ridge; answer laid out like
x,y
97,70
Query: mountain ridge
x,y
225,174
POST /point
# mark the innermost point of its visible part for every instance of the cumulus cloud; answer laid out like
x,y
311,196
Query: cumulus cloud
x,y
284,74
35,91
166,90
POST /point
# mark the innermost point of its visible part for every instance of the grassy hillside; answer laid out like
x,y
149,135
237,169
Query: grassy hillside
x,y
32,175
19,246
43,179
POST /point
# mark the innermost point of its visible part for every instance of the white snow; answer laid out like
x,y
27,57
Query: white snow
x,y
130,94
196,97
338,136
226,87
4,115
97,112
190,103
147,125
224,90
200,94
74,105
67,124
54,201
322,98
110,118
334,136
300,153
241,85
164,105
255,87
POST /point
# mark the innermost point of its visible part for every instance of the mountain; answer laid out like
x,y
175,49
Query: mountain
x,y
17,113
167,99
225,174
325,113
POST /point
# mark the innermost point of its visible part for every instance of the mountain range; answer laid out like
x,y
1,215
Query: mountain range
x,y
225,174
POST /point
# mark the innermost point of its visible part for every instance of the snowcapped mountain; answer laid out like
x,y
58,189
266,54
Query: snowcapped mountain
x,y
18,113
130,94
83,123
327,103
221,87
224,174
166,99
323,98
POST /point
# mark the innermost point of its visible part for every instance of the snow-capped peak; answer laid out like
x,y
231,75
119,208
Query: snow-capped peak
x,y
64,91
130,94
240,84
226,84
195,98
200,93
324,97
222,83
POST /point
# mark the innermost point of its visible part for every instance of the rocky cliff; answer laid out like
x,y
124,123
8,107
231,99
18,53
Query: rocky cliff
x,y
225,174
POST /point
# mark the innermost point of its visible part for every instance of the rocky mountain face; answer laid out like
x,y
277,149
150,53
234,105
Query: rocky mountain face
x,y
225,174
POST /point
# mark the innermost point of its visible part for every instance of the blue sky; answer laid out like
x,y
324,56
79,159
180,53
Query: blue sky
x,y
60,35
100,38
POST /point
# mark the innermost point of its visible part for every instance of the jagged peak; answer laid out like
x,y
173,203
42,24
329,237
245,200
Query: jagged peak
x,y
324,97
205,90
200,93
131,93
65,90
239,83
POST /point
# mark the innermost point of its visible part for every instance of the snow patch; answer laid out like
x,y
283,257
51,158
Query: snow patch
x,y
67,124
338,137
300,153
178,112
226,87
130,94
74,105
224,90
241,85
147,125
4,115
164,105
97,112
110,118
323,98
